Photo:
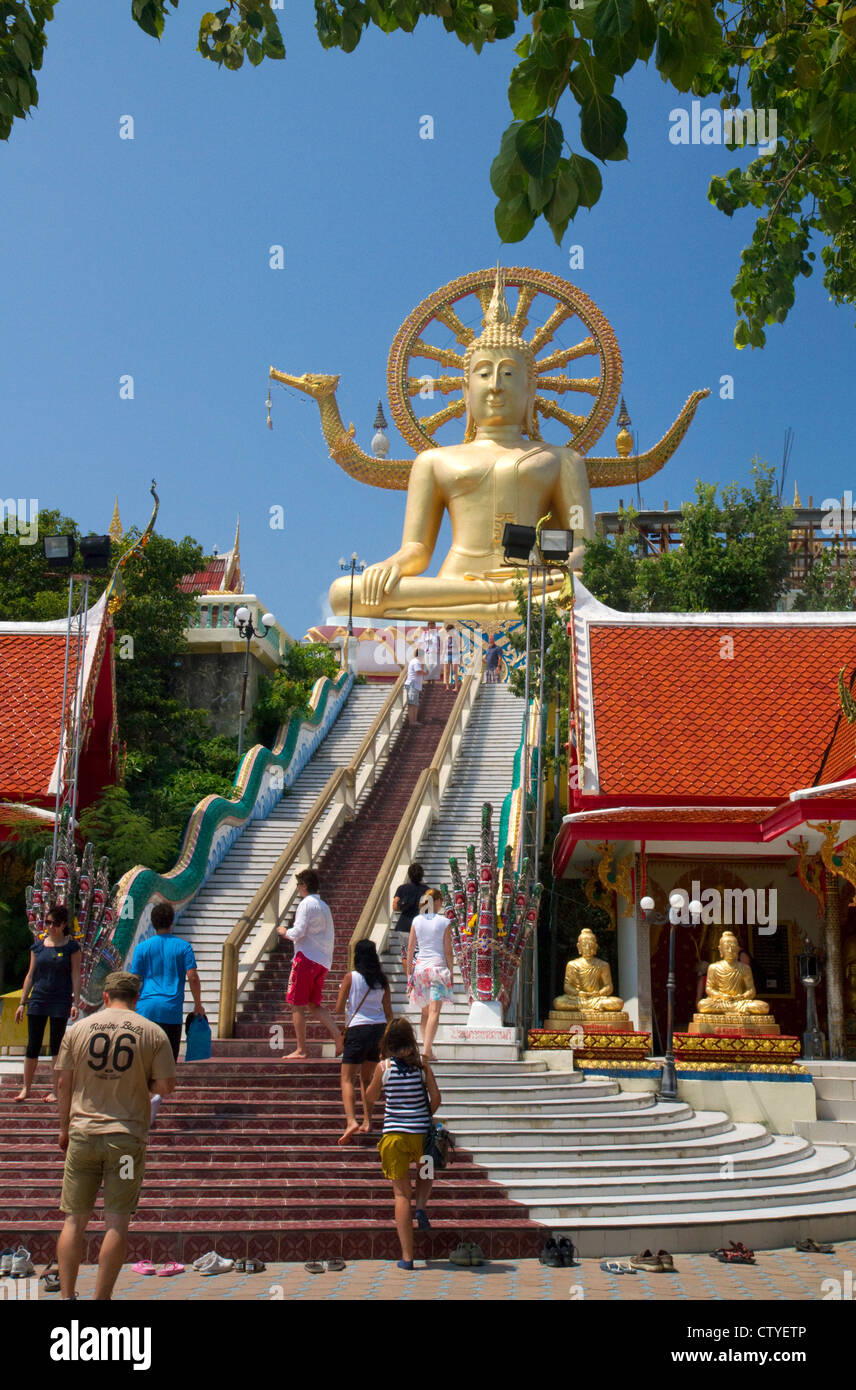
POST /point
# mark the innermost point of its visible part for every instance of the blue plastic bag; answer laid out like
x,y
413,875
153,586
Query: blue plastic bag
x,y
198,1048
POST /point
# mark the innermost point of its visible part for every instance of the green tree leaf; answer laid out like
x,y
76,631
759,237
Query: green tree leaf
x,y
587,178
603,122
539,145
513,217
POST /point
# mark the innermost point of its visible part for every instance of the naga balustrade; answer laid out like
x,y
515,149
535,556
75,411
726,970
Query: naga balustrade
x,y
336,803
422,810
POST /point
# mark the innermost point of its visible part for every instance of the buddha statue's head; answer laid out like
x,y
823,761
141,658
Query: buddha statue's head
x,y
499,372
587,943
729,947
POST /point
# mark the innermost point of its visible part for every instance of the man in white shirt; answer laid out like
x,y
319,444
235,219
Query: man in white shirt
x,y
431,644
314,937
413,686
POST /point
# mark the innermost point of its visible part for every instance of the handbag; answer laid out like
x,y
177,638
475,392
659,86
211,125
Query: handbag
x,y
198,1046
438,1144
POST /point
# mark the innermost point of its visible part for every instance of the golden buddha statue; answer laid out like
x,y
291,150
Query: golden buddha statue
x,y
729,998
502,471
588,987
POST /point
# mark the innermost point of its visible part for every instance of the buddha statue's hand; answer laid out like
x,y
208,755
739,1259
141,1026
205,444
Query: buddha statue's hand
x,y
378,580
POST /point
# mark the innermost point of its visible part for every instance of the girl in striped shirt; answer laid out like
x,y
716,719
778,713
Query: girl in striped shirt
x,y
404,1077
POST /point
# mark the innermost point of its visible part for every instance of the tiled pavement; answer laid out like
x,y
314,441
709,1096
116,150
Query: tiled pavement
x,y
779,1275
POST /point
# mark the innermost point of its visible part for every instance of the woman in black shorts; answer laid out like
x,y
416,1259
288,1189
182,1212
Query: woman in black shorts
x,y
369,1010
50,991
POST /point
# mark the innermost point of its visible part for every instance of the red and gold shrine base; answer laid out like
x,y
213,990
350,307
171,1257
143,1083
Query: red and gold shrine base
x,y
596,1042
730,1046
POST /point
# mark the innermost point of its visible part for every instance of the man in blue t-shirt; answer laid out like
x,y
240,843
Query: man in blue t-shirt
x,y
163,963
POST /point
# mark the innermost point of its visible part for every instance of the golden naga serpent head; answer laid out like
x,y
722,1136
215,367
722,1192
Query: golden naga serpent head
x,y
439,313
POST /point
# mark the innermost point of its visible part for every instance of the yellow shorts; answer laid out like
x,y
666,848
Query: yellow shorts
x,y
398,1151
118,1160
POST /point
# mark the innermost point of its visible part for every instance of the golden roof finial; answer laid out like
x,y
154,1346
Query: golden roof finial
x,y
114,530
624,439
498,311
797,502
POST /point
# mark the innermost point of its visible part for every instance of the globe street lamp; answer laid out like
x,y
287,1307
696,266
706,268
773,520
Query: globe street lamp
x,y
355,566
248,631
677,901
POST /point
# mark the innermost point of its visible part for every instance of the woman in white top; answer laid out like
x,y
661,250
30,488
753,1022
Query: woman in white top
x,y
430,965
368,1011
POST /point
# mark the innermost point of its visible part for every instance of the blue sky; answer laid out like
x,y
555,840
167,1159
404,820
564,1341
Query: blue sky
x,y
151,257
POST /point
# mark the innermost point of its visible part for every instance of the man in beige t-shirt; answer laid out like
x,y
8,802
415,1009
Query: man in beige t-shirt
x,y
108,1068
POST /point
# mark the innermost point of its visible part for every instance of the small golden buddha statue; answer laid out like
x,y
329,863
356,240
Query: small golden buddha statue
x,y
729,1000
588,984
730,988
502,471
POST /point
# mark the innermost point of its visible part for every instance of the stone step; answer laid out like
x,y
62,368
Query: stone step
x,y
519,1140
534,1193
706,1198
827,1131
838,1110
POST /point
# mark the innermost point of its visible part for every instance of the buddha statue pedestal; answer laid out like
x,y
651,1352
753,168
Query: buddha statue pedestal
x,y
735,1024
588,1017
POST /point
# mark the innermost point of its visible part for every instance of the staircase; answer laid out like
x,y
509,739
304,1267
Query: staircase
x,y
835,1086
347,872
243,1158
483,772
212,914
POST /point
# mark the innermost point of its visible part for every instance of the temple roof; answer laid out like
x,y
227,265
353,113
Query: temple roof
x,y
32,658
221,575
725,707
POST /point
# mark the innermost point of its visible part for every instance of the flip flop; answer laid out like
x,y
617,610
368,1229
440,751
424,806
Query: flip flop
x,y
335,1266
617,1267
314,1267
813,1247
169,1269
144,1267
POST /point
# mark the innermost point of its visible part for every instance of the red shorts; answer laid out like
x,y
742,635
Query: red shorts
x,y
306,982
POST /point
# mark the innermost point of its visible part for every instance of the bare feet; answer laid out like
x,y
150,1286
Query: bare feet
x,y
49,1097
23,1095
366,1127
295,1056
348,1134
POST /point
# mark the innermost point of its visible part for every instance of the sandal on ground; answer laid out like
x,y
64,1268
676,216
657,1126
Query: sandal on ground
x,y
813,1247
144,1267
173,1267
250,1266
734,1257
567,1252
336,1265
617,1267
50,1278
461,1255
314,1267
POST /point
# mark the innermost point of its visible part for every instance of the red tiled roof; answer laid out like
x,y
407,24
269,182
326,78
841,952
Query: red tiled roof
x,y
207,581
675,717
701,814
31,671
